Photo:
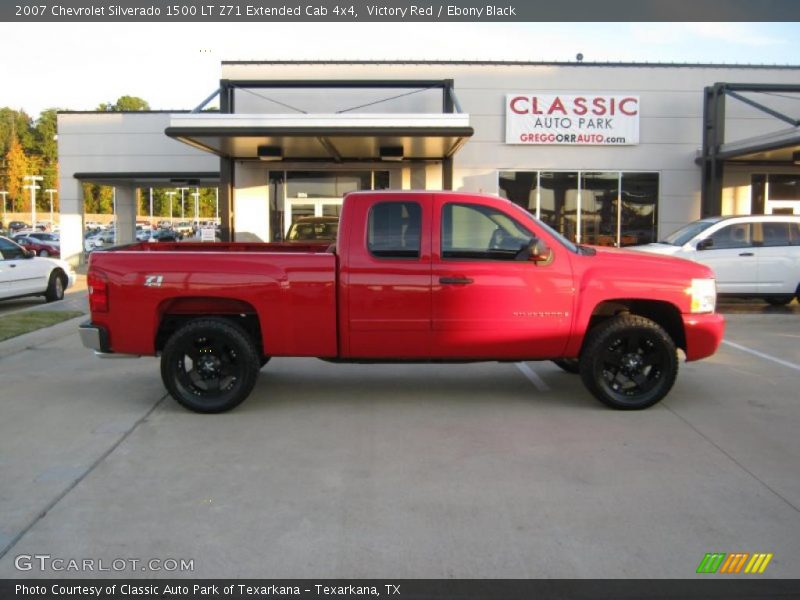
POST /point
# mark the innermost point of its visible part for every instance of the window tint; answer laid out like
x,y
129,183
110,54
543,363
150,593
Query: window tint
x,y
738,235
775,234
394,230
794,230
10,250
473,231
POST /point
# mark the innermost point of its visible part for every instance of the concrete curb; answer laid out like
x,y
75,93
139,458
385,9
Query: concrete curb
x,y
40,336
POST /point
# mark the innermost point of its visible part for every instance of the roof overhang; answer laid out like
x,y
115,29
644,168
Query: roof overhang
x,y
774,148
329,137
152,179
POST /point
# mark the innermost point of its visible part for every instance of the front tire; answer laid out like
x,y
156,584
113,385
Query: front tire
x,y
44,253
629,362
55,287
210,365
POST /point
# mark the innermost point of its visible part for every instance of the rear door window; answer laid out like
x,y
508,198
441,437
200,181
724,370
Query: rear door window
x,y
394,230
776,234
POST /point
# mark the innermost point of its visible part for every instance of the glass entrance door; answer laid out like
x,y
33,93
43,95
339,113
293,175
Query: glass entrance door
x,y
299,208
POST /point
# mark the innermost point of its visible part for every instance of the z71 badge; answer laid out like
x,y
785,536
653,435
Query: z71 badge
x,y
153,280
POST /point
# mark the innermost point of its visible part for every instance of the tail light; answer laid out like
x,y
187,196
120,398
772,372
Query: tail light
x,y
98,292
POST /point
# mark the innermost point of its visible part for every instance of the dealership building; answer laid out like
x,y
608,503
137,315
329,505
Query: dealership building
x,y
610,154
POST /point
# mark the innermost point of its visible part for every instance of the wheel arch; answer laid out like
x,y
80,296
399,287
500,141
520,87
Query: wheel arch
x,y
174,313
665,314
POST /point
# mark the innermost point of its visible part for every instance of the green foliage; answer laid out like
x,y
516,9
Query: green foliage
x,y
124,103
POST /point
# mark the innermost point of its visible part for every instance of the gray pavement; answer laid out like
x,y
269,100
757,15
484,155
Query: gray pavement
x,y
404,471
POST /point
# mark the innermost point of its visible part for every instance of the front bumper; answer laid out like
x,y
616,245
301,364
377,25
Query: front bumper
x,y
703,334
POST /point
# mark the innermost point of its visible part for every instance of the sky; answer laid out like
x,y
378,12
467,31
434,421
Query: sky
x,y
177,65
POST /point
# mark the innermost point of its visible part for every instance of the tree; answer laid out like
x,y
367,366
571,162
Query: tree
x,y
46,147
15,124
124,103
17,165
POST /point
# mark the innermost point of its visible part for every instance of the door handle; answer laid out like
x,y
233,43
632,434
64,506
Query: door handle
x,y
746,254
455,280
13,266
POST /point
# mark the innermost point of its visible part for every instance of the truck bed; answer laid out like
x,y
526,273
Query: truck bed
x,y
290,288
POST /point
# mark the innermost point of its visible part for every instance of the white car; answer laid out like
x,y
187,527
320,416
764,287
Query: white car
x,y
752,256
24,274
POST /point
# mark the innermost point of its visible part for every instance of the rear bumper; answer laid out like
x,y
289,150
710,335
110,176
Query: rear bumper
x,y
95,337
703,334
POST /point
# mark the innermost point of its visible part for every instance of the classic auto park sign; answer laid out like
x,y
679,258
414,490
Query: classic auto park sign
x,y
572,119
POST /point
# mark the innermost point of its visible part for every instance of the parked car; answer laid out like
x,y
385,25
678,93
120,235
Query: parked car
x,y
313,229
43,236
15,226
24,274
184,227
98,240
419,276
40,247
752,256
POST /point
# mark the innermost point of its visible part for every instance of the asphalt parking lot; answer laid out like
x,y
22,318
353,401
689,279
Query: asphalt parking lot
x,y
467,471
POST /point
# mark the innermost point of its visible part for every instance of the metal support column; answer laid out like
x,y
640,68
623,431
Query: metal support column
x,y
713,138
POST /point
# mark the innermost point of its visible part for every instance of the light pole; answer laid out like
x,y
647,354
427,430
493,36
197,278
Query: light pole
x,y
33,187
170,194
216,205
4,193
51,191
151,207
196,195
182,189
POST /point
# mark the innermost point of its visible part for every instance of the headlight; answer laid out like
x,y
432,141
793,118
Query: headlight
x,y
703,294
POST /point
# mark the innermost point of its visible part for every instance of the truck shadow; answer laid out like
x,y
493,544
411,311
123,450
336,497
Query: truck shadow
x,y
287,382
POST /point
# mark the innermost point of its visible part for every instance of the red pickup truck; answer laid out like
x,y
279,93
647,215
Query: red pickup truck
x,y
412,277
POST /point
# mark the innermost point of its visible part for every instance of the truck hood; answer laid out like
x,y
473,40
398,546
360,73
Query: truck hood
x,y
640,258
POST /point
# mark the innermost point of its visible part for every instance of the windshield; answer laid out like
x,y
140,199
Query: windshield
x,y
687,232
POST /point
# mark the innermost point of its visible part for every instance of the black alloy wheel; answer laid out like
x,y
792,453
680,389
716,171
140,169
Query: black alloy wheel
x,y
210,365
629,362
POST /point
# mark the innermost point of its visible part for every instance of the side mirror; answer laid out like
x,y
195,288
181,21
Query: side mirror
x,y
705,244
539,252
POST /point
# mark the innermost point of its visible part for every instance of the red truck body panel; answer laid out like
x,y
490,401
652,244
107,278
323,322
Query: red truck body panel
x,y
292,292
351,304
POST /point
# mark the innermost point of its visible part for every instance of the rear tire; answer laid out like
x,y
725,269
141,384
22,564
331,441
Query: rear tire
x,y
629,362
570,365
778,300
56,286
210,365
44,253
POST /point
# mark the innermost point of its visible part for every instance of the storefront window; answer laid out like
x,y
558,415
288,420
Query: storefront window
x,y
599,198
612,208
558,202
775,194
639,204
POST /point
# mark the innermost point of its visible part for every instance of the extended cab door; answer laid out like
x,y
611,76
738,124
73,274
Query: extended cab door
x,y
386,278
489,301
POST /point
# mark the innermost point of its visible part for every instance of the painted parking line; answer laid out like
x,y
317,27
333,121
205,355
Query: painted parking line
x,y
774,359
532,377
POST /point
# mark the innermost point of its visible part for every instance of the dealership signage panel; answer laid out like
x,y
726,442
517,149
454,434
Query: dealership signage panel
x,y
589,119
